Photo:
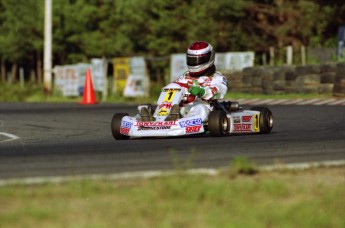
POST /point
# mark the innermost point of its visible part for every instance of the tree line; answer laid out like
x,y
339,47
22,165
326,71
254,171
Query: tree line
x,y
83,29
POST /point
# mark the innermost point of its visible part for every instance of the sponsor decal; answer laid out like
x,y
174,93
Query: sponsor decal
x,y
192,122
144,128
225,81
214,90
124,131
165,105
125,127
207,82
163,112
237,119
171,90
153,124
125,124
193,129
246,119
242,127
256,123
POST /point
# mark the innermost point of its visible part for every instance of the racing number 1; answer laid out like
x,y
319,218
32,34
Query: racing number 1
x,y
169,97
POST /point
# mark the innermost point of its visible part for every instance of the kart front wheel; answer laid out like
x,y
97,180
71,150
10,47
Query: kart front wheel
x,y
116,125
218,123
265,119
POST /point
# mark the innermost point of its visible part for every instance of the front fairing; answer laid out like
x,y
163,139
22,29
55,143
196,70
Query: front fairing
x,y
132,127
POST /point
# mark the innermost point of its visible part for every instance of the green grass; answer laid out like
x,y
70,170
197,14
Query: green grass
x,y
312,198
233,95
34,93
31,92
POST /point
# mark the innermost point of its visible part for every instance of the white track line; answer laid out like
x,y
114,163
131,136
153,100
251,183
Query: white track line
x,y
303,166
10,137
152,174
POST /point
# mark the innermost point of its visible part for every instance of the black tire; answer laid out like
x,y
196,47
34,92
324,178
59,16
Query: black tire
x,y
265,119
115,126
328,68
341,70
328,77
218,123
339,90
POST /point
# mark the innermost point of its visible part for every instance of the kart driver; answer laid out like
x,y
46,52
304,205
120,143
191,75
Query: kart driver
x,y
204,82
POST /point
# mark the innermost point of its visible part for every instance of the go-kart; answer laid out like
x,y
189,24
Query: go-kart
x,y
225,117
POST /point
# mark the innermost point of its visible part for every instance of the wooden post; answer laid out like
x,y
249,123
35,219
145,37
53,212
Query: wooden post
x,y
303,55
105,76
3,71
9,79
289,55
21,77
264,59
271,56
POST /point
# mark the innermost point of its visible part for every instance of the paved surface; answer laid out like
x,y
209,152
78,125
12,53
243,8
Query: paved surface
x,y
41,140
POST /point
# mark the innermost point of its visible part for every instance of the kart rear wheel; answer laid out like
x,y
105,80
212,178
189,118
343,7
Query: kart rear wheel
x,y
218,123
265,119
116,125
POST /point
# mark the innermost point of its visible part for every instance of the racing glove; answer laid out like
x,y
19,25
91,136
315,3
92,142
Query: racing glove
x,y
196,91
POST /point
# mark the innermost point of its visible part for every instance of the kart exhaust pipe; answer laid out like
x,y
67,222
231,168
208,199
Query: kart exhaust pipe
x,y
227,106
235,106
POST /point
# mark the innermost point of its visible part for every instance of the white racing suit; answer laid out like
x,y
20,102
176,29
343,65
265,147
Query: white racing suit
x,y
215,87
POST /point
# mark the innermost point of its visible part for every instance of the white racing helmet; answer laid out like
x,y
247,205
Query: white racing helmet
x,y
200,57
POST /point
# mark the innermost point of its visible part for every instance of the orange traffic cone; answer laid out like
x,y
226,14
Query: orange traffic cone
x,y
89,93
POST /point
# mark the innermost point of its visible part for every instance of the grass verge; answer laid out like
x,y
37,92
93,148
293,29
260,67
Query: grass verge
x,y
34,93
310,198
235,95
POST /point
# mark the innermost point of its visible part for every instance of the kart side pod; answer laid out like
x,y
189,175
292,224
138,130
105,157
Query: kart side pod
x,y
256,120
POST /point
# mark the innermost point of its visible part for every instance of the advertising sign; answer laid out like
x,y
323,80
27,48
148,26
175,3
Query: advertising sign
x,y
137,82
230,61
67,80
98,67
237,61
130,76
220,61
121,72
137,66
135,86
81,69
178,66
58,78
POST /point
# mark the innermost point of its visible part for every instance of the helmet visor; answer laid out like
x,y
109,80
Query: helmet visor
x,y
196,60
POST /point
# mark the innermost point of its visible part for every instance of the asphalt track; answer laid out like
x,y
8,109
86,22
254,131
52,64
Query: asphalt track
x,y
45,140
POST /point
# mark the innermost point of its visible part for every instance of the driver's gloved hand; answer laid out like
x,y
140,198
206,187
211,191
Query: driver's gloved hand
x,y
196,91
